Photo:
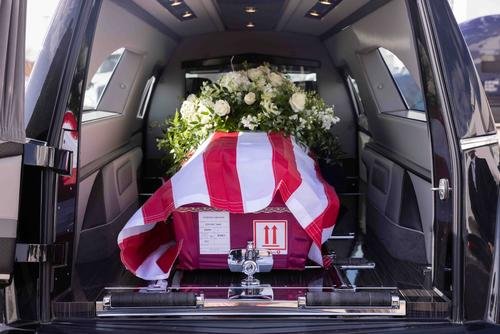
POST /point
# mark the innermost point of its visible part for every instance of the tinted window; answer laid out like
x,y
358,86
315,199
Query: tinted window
x,y
304,78
98,83
407,85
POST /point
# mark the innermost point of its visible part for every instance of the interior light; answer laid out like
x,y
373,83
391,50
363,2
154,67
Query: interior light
x,y
176,3
314,13
325,2
250,9
250,25
187,14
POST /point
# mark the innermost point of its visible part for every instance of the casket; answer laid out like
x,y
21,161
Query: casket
x,y
207,235
237,187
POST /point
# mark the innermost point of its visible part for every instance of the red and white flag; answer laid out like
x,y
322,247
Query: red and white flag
x,y
239,172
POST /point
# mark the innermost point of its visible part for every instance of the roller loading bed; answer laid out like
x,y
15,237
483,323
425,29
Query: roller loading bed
x,y
375,284
310,292
383,303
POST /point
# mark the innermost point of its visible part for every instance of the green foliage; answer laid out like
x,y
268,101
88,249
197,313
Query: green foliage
x,y
258,99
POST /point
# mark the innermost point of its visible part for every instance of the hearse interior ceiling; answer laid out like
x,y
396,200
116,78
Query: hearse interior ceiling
x,y
171,86
207,17
293,19
229,15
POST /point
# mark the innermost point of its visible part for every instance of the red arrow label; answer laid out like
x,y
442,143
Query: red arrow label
x,y
266,236
274,234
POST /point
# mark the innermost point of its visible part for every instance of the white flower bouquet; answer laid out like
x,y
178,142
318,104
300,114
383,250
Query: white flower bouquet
x,y
257,99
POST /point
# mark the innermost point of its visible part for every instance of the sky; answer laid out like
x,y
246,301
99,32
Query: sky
x,y
466,10
38,17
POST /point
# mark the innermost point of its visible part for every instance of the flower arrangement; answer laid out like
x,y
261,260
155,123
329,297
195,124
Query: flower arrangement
x,y
256,99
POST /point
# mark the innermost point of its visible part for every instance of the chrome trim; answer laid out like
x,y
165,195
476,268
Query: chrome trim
x,y
4,277
225,307
146,95
369,265
200,301
469,143
38,153
342,237
301,302
11,313
215,288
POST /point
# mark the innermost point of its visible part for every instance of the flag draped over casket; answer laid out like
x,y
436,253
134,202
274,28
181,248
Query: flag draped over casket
x,y
239,172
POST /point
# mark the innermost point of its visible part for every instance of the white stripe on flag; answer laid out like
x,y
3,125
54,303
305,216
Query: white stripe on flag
x,y
134,226
315,254
189,184
149,270
254,164
309,200
327,233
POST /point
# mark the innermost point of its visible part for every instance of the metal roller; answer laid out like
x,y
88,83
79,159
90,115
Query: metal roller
x,y
351,298
136,299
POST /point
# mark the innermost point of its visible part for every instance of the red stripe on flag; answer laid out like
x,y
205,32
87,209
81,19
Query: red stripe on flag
x,y
135,249
219,160
160,205
167,260
285,169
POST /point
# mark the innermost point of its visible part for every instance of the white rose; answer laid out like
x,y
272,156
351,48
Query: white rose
x,y
275,79
250,98
298,101
234,81
188,109
254,74
191,98
222,108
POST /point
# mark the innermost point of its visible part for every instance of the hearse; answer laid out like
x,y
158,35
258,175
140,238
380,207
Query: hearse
x,y
415,247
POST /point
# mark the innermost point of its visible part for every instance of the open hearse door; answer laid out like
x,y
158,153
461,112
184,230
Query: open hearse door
x,y
212,161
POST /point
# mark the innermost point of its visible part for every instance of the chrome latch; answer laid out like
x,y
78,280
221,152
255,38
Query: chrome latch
x,y
38,153
443,189
250,261
54,253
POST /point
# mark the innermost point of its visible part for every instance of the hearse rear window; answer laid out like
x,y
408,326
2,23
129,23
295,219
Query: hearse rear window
x,y
306,79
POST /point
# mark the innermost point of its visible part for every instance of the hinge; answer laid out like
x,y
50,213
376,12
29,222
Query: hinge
x,y
38,153
53,253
